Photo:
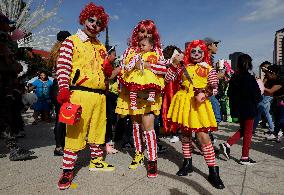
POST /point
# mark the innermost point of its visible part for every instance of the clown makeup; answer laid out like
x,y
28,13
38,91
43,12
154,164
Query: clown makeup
x,y
196,54
92,26
142,33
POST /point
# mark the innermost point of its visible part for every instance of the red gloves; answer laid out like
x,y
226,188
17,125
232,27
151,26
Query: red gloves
x,y
107,68
63,96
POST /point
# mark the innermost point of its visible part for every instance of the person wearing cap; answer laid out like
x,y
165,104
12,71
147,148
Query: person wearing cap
x,y
82,67
59,128
274,87
212,46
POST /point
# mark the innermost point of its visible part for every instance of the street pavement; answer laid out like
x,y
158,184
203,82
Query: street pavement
x,y
40,174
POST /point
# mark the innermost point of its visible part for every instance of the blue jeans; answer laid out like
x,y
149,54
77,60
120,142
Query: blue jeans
x,y
216,108
264,107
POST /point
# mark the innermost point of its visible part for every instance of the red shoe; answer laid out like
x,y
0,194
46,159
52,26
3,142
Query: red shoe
x,y
152,170
65,180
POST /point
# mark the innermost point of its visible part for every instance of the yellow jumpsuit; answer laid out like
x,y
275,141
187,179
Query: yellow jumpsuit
x,y
88,58
185,110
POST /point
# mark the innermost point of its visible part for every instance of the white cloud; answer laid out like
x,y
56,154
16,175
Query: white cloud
x,y
264,10
114,17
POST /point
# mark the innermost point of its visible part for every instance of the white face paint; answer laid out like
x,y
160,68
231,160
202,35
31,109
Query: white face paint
x,y
92,26
196,54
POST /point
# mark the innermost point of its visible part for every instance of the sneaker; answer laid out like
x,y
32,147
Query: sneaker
x,y
2,155
65,180
137,161
225,150
271,137
150,99
152,170
174,139
161,149
110,148
280,134
59,152
133,107
20,154
247,161
98,164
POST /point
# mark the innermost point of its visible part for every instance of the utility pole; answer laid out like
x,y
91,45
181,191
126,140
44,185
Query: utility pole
x,y
107,39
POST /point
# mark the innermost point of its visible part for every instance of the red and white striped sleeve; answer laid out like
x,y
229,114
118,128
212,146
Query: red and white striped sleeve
x,y
172,74
213,79
64,64
161,66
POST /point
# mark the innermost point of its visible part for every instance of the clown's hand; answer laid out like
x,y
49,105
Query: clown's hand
x,y
107,66
63,96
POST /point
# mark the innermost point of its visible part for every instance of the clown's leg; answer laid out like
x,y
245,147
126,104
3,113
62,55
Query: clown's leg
x,y
209,156
133,100
187,151
97,163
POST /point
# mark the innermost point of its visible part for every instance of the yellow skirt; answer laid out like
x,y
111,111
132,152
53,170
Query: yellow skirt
x,y
191,115
138,80
143,106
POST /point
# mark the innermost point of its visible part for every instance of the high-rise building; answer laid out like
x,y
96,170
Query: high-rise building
x,y
278,47
234,59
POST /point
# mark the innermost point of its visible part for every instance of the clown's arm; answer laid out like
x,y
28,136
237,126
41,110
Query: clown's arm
x,y
172,73
213,81
64,69
134,62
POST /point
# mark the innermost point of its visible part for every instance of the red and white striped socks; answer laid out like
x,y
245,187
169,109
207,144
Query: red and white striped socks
x,y
69,159
136,137
151,142
133,100
96,151
209,154
186,147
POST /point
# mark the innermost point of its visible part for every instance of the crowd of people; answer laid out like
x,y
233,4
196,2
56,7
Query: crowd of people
x,y
152,90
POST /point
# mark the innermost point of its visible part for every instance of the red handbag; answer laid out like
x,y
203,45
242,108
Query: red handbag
x,y
70,114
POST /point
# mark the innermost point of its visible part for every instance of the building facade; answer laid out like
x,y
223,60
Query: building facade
x,y
278,52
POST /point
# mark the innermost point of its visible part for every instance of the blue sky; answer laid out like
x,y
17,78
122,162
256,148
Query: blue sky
x,y
243,25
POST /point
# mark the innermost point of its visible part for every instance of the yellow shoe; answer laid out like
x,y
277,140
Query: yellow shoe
x,y
98,164
137,161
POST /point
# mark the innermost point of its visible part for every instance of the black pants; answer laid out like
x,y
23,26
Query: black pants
x,y
59,128
111,99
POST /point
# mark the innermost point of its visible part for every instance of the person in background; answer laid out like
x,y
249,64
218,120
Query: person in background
x,y
212,46
274,87
59,128
111,98
264,106
246,90
42,106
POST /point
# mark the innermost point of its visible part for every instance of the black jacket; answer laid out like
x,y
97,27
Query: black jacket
x,y
245,95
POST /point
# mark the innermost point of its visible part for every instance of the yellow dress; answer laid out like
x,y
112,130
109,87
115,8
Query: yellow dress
x,y
185,110
144,79
143,106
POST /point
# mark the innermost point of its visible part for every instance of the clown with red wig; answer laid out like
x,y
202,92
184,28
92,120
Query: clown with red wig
x,y
191,109
82,68
144,114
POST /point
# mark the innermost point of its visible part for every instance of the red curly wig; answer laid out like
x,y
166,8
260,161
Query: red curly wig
x,y
193,44
151,28
91,10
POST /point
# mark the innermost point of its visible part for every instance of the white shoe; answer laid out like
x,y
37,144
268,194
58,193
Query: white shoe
x,y
271,137
280,134
133,107
174,139
150,99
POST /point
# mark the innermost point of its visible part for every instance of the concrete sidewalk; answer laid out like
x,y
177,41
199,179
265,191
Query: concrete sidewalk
x,y
40,174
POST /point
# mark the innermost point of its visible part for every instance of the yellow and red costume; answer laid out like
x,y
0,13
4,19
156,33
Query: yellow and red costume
x,y
184,109
79,54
